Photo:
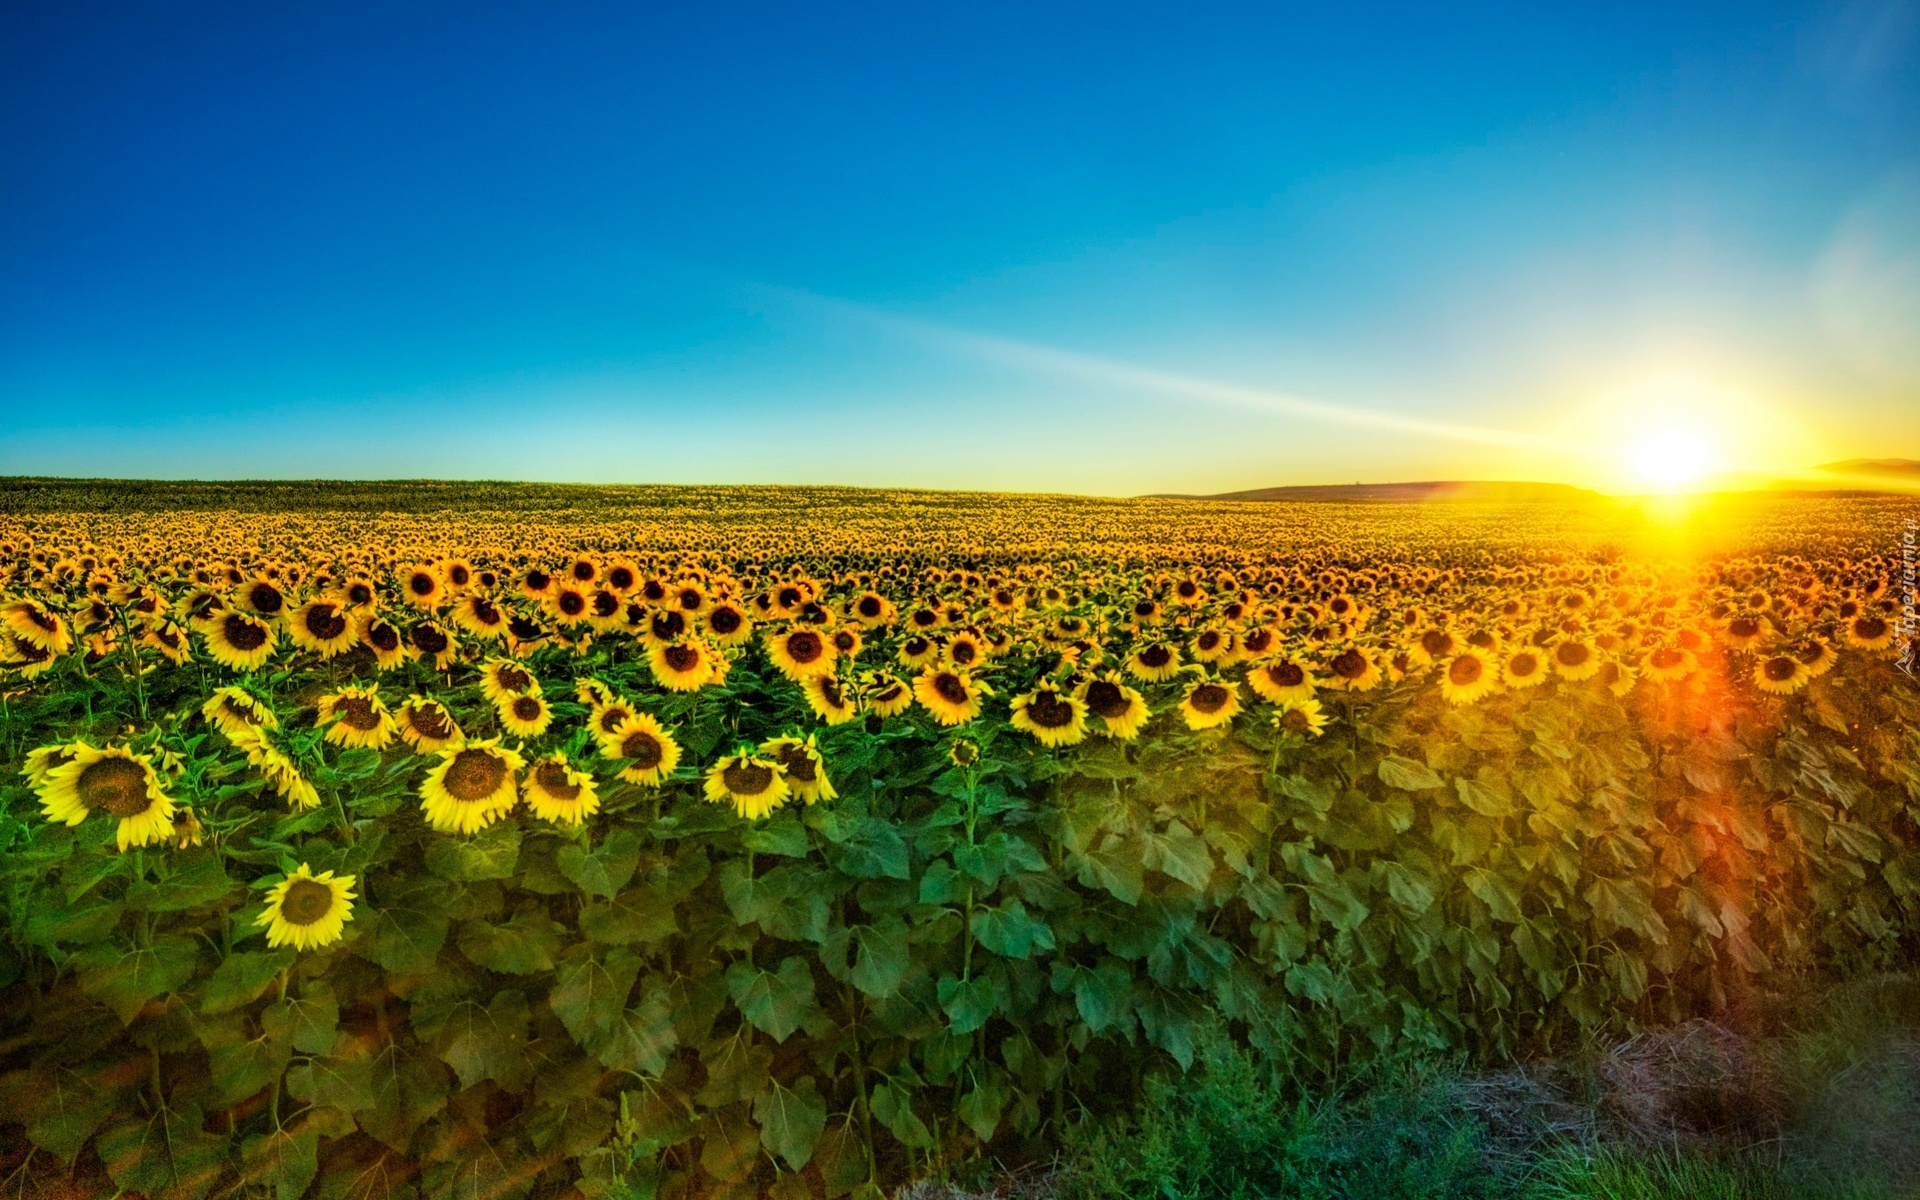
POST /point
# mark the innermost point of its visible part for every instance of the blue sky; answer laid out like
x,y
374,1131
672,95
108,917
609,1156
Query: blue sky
x,y
1095,248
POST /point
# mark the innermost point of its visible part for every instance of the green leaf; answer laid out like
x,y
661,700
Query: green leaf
x,y
783,834
405,939
602,871
791,1121
311,1021
283,1160
641,1037
166,1156
61,1106
482,1043
873,849
344,1082
776,1002
1411,891
241,977
590,993
83,923
1179,852
1009,931
240,1064
940,884
1496,891
489,854
881,962
967,1003
125,978
200,879
1626,903
527,943
639,914
1482,797
404,1091
1398,771
981,1107
1116,868
892,1106
736,1069
1103,995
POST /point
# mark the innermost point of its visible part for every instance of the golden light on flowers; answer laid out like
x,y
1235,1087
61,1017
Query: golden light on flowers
x,y
1053,718
828,699
322,626
503,678
239,641
471,787
1468,676
652,751
558,791
755,786
1666,663
355,716
1209,704
308,911
683,666
800,652
1281,681
1119,709
1301,718
884,694
805,770
1524,669
1782,675
231,709
115,783
524,716
1575,659
1353,670
1154,662
951,695
426,725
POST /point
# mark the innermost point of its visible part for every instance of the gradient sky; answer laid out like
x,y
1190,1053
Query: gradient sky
x,y
1099,248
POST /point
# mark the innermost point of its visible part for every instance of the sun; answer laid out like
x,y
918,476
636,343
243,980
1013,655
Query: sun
x,y
1671,457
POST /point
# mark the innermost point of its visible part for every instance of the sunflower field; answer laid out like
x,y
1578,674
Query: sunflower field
x,y
518,841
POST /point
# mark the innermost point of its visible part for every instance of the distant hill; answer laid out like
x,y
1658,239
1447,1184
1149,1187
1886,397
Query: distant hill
x,y
1407,493
1874,466
1856,476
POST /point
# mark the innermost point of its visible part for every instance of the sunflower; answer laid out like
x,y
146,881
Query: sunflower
x,y
524,716
1352,670
1122,711
1209,703
1302,718
471,787
1524,669
429,641
280,772
727,624
1433,646
805,770
558,791
354,716
41,761
1869,632
1744,632
359,593
1052,718
1816,656
1670,662
37,625
828,699
1616,677
479,615
114,781
682,666
378,635
872,610
457,572
321,626
592,692
846,641
264,599
307,911
427,726
1154,662
1781,675
568,603
964,650
604,719
503,679
884,694
1469,675
238,641
423,587
798,653
753,785
950,695
232,708
1575,659
652,752
918,651
1218,646
535,583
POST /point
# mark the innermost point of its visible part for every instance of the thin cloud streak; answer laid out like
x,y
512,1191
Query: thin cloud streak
x,y
1050,360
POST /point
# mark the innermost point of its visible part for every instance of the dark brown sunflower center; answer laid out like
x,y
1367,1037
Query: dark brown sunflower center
x,y
611,716
1744,627
621,577
724,621
524,629
1049,711
1208,698
359,593
265,598
1295,721
428,640
747,778
1572,654
421,584
1258,641
668,625
1781,668
527,708
805,647
474,775
1812,654
429,722
1349,664
115,786
948,687
1287,674
383,637
555,781
798,763
243,634
584,571
1466,670
538,580
325,622
1106,699
483,611
605,603
572,604
1207,640
1481,639
1155,657
831,694
1869,629
512,679
643,748
306,901
681,658
1666,657
356,712
870,607
964,653
1523,665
